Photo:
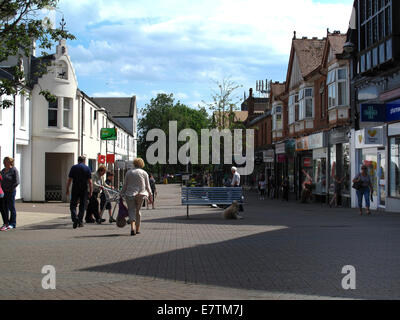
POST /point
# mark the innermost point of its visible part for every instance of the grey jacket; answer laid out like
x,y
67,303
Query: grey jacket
x,y
10,179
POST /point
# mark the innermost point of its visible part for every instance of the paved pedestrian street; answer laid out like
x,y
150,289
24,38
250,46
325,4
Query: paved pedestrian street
x,y
279,250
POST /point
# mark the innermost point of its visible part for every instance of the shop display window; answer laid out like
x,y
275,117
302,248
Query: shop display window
x,y
395,167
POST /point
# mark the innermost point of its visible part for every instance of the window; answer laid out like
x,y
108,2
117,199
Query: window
x,y
67,113
322,100
337,88
291,109
277,118
22,110
306,103
91,122
53,114
296,107
83,116
395,167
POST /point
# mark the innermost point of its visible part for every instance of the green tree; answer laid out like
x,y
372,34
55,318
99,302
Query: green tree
x,y
157,115
224,104
20,26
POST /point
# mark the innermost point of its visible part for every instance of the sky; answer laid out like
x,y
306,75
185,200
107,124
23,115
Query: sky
x,y
144,47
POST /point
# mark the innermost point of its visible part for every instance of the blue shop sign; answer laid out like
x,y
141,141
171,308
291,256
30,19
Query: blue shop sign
x,y
392,112
373,112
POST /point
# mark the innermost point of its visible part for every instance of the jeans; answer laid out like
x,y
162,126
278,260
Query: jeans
x,y
9,207
82,196
366,193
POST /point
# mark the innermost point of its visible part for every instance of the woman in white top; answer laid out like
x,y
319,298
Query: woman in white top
x,y
135,189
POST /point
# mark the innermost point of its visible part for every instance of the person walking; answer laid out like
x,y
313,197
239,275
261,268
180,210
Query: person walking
x,y
2,211
109,183
9,184
272,187
92,212
136,187
81,179
285,189
337,197
153,190
365,189
262,185
306,192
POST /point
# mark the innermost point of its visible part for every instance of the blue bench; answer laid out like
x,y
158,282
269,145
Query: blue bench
x,y
206,196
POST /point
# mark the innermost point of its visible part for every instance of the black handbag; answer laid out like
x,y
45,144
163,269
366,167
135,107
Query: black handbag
x,y
357,185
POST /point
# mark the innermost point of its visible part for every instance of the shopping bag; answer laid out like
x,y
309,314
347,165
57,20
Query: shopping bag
x,y
122,214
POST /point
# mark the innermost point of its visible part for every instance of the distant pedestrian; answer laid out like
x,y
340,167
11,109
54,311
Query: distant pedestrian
x,y
136,187
272,187
153,188
337,197
262,185
285,189
109,183
9,184
306,191
365,189
92,212
81,179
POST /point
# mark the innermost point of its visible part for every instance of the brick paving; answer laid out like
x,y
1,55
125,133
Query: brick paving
x,y
278,251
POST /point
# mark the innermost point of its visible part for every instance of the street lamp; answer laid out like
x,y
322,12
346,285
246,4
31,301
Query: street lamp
x,y
348,47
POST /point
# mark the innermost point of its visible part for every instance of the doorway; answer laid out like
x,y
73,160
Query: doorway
x,y
381,179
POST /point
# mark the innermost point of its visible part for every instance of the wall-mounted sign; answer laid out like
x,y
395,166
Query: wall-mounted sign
x,y
268,156
369,137
307,162
110,158
101,159
280,148
108,134
373,112
392,112
316,141
302,144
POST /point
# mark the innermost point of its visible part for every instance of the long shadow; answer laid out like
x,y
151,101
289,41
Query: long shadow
x,y
103,236
294,260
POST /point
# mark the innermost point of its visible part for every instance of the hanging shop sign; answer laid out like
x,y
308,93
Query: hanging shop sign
x,y
290,146
110,158
268,156
101,159
280,148
369,137
108,134
302,144
338,136
373,112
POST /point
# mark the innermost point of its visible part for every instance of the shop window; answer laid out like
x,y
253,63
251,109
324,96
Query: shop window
x,y
395,167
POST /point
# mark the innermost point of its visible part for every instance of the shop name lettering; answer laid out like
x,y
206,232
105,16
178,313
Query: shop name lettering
x,y
189,152
395,110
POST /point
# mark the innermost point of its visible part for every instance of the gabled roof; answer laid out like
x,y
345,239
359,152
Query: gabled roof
x,y
277,88
118,107
335,42
309,54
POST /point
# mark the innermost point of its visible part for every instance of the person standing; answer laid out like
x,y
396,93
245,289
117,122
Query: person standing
x,y
366,189
262,184
93,206
153,189
285,188
136,187
9,183
337,197
81,178
236,183
103,201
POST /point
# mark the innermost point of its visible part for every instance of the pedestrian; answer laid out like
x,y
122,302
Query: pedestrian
x,y
81,179
272,187
3,213
136,187
9,184
153,188
92,212
109,183
262,184
236,183
306,191
365,189
285,189
337,197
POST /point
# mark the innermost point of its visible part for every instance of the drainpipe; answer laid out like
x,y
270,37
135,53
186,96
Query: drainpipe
x,y
82,118
14,135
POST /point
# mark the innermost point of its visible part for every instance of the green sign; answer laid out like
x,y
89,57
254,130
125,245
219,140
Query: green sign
x,y
108,134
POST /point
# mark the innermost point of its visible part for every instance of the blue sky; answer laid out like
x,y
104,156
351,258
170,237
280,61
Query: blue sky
x,y
144,47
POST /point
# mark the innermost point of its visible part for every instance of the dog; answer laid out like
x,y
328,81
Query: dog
x,y
232,212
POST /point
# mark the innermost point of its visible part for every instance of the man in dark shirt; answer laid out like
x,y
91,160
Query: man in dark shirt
x,y
81,178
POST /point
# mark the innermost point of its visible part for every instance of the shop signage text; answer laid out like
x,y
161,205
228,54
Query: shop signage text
x,y
373,112
392,112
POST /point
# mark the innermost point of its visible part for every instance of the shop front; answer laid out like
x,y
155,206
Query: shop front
x,y
370,150
339,149
311,159
285,164
393,199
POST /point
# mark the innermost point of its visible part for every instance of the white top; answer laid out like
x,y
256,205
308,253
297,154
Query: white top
x,y
235,179
97,182
136,182
263,185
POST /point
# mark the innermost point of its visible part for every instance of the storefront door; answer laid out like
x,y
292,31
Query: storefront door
x,y
381,179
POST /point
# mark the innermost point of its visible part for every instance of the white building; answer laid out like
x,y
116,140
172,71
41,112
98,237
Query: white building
x,y
56,133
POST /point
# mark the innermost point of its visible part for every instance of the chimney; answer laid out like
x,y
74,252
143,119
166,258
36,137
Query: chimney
x,y
250,104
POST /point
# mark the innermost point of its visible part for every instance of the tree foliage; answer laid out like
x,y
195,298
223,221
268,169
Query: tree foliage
x,y
224,104
20,25
158,114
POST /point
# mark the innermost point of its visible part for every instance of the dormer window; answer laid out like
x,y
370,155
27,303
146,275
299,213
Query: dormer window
x,y
62,70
